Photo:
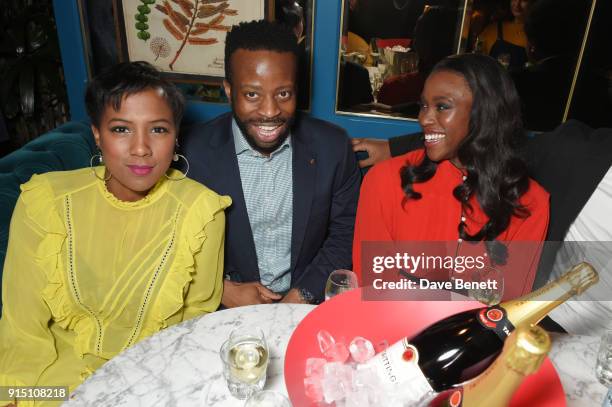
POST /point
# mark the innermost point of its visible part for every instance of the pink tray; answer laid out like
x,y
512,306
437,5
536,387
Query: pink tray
x,y
347,316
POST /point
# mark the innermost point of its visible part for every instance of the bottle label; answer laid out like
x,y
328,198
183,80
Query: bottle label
x,y
399,372
456,399
449,398
496,319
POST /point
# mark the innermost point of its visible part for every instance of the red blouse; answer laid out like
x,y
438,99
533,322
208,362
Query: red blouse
x,y
436,216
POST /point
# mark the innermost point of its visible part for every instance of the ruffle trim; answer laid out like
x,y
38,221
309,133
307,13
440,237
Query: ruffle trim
x,y
172,295
37,196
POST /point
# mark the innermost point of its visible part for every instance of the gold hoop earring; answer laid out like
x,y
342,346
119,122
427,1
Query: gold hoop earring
x,y
184,174
100,159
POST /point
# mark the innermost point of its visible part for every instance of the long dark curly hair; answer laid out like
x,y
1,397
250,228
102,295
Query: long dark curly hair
x,y
491,151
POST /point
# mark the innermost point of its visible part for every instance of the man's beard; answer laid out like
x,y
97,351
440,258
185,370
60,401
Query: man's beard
x,y
242,125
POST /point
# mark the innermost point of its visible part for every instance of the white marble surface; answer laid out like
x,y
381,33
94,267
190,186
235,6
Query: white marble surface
x,y
180,366
574,358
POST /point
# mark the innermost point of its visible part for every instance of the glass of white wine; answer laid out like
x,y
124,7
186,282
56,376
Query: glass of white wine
x,y
340,281
245,359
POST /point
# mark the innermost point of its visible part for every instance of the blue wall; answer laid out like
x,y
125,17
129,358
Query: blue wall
x,y
327,31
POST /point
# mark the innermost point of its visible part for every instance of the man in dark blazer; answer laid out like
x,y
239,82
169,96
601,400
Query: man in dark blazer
x,y
314,187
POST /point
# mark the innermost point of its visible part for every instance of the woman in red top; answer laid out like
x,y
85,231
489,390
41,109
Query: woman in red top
x,y
468,183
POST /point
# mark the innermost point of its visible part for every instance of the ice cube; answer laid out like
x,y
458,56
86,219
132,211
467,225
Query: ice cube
x,y
338,352
359,398
314,367
326,340
361,349
313,389
337,381
365,376
333,389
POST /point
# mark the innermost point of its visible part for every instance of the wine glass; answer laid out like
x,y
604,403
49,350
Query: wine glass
x,y
340,281
492,293
603,368
247,360
376,82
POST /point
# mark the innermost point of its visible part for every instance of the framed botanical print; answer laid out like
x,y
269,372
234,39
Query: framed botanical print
x,y
183,38
189,35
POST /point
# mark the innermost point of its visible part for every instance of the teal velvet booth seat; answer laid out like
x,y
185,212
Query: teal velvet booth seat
x,y
67,147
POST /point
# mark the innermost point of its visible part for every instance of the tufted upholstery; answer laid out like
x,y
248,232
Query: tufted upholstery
x,y
67,147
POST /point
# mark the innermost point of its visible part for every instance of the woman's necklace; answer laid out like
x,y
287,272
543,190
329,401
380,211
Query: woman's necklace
x,y
462,219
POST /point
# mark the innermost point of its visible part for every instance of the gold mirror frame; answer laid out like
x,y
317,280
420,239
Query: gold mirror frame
x,y
583,46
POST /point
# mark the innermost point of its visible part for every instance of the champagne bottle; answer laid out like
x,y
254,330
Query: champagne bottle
x,y
460,347
523,353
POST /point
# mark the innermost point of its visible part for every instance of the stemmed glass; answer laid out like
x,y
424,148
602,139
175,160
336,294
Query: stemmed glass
x,y
377,78
494,291
340,281
603,368
377,83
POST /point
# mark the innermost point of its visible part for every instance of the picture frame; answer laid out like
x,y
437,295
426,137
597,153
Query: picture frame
x,y
102,27
182,38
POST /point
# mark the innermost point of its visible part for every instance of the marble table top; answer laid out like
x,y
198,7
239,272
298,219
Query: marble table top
x,y
574,358
180,366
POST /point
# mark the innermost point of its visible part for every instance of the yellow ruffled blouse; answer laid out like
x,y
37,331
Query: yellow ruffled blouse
x,y
87,275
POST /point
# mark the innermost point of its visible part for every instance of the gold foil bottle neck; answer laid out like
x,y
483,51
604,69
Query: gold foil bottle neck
x,y
531,345
581,277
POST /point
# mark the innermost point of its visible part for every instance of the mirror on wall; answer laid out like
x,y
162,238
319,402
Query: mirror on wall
x,y
591,100
388,47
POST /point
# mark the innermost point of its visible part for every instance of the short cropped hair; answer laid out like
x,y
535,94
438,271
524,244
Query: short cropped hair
x,y
259,35
125,79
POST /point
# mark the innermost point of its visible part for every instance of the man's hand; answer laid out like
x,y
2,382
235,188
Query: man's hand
x,y
294,297
378,150
238,294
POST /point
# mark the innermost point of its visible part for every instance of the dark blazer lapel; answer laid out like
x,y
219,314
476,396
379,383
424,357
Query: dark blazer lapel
x,y
304,175
239,227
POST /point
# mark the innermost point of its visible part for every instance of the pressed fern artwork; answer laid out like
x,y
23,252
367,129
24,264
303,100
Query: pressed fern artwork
x,y
188,24
184,36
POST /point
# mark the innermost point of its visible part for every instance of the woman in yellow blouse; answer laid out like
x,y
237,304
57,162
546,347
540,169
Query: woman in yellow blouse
x,y
102,257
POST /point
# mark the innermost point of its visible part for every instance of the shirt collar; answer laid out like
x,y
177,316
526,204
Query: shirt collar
x,y
242,145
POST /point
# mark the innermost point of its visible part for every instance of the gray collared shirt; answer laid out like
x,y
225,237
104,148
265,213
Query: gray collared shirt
x,y
267,184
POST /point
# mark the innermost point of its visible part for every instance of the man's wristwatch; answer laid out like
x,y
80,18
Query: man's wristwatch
x,y
306,295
